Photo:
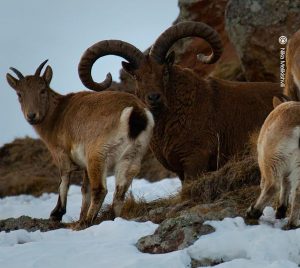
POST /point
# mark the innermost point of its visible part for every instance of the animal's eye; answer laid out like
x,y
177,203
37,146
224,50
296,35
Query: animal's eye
x,y
43,91
19,95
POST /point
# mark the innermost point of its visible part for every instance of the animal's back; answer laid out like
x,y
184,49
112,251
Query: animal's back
x,y
278,141
81,110
84,108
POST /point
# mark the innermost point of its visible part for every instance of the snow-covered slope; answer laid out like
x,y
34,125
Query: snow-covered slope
x,y
112,243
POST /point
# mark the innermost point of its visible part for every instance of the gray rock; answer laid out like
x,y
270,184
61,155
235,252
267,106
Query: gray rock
x,y
29,224
254,26
174,234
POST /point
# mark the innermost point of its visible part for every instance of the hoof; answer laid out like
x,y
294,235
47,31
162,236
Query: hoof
x,y
80,225
281,212
55,218
290,226
253,213
56,215
251,221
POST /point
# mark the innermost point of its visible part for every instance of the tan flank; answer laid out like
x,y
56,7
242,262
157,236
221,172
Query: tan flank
x,y
279,161
199,123
86,130
292,88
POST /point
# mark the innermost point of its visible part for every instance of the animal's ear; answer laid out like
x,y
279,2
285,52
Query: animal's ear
x,y
277,100
48,74
129,68
170,58
13,82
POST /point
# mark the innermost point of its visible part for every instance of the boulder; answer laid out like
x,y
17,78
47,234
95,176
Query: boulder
x,y
174,233
254,28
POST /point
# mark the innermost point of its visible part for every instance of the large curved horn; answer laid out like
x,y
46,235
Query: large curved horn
x,y
103,48
18,73
39,69
181,30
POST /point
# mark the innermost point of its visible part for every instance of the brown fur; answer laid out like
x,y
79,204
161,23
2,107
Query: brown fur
x,y
88,131
292,87
199,123
204,123
279,157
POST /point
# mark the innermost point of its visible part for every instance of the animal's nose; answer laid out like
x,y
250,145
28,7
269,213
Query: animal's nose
x,y
31,116
154,97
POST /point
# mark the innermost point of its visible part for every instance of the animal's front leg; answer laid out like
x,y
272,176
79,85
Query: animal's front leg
x,y
195,164
60,208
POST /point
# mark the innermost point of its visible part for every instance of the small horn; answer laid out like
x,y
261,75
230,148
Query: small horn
x,y
18,73
39,69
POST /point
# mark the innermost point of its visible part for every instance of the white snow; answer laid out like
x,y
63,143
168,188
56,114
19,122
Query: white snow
x,y
112,243
256,246
41,207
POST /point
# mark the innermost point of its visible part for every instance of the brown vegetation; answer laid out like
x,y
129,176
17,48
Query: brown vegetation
x,y
26,168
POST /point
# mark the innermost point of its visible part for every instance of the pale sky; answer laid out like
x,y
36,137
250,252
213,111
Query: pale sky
x,y
60,30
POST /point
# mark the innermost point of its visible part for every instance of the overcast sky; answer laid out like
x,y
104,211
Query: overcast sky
x,y
60,30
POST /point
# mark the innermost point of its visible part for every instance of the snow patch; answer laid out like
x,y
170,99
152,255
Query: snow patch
x,y
239,245
16,206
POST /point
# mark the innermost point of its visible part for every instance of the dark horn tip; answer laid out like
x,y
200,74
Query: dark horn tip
x,y
18,73
99,86
39,69
109,77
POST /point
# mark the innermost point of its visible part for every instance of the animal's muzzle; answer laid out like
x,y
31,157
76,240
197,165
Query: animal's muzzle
x,y
154,99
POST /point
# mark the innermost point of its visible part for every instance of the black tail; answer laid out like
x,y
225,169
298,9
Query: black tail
x,y
137,122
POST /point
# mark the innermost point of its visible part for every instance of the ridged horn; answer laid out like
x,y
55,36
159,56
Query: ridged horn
x,y
181,30
39,69
104,48
18,73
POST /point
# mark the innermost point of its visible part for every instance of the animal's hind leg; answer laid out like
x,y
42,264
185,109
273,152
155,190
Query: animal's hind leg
x,y
267,193
86,196
295,208
127,168
97,177
283,198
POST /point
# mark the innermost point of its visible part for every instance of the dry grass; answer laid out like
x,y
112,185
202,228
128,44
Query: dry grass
x,y
236,182
26,168
242,197
236,174
155,211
